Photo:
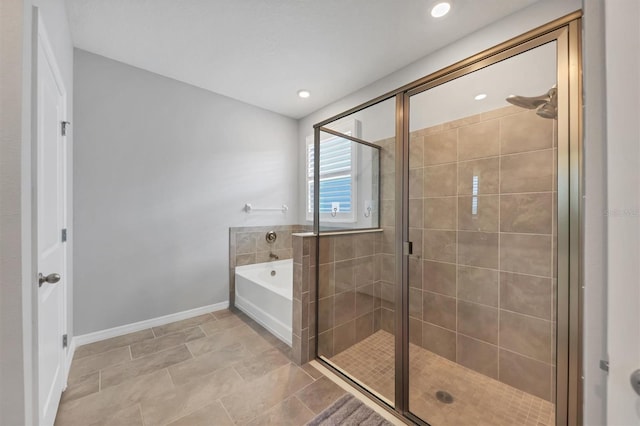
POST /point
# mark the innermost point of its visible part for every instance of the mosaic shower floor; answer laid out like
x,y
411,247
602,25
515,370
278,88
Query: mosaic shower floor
x,y
478,399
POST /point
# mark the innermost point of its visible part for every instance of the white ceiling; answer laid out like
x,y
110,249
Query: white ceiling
x,y
263,51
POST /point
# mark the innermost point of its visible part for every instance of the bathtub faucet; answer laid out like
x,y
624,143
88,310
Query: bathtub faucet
x,y
273,256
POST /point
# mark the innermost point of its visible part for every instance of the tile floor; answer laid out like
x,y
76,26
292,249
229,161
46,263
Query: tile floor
x,y
215,369
478,399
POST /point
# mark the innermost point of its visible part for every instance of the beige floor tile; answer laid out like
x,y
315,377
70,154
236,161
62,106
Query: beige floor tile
x,y
258,365
211,415
310,370
224,313
320,394
177,402
208,363
237,335
113,343
217,325
181,325
89,364
259,395
129,416
81,386
97,408
119,373
290,412
150,346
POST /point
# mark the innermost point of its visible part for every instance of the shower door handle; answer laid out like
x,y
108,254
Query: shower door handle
x,y
407,248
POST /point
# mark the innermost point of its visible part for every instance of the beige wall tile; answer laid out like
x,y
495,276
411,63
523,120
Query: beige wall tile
x,y
465,121
440,213
526,335
439,341
526,294
387,268
364,300
245,242
344,336
478,213
441,148
487,171
364,326
440,180
525,374
525,131
526,254
478,249
387,213
388,295
344,307
527,213
415,331
363,270
387,186
325,343
479,140
439,277
416,237
478,285
439,310
478,321
439,245
344,276
527,172
416,213
325,314
416,177
478,356
326,280
387,320
363,244
415,303
415,272
416,151
326,250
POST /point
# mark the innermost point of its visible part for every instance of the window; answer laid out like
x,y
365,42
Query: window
x,y
337,176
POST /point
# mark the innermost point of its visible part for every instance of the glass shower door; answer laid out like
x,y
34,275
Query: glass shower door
x,y
357,285
482,220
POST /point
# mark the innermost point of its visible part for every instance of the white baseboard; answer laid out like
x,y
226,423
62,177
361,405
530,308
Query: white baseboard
x,y
97,336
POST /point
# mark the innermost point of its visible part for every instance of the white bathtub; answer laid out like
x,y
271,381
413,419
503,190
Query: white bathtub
x,y
267,297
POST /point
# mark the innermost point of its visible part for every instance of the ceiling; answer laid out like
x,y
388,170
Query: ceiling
x,y
263,51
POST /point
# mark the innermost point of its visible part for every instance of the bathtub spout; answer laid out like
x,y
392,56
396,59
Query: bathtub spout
x,y
273,256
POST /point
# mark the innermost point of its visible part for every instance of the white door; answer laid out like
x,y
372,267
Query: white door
x,y
51,112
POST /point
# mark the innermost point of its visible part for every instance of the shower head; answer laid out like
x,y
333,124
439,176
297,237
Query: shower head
x,y
546,105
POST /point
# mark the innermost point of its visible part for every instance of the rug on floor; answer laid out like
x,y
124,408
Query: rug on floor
x,y
348,411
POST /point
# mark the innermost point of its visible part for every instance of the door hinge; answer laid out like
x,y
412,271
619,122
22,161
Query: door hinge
x,y
604,365
407,247
64,341
63,127
64,235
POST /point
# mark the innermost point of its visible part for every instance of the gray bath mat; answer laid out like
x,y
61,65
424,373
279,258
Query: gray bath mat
x,y
348,411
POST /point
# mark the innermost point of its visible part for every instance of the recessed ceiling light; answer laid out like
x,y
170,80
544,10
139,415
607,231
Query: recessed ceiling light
x,y
480,97
304,93
440,9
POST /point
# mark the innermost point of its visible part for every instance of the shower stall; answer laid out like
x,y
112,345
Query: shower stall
x,y
448,249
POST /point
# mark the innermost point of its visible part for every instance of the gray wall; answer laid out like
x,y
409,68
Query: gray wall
x,y
18,375
162,170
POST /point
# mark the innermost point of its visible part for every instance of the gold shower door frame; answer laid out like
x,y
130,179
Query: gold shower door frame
x,y
566,33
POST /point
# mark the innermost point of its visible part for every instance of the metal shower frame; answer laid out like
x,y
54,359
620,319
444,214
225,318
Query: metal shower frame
x,y
566,33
